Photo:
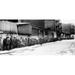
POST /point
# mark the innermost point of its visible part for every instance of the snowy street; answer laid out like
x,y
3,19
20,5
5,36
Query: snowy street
x,y
63,47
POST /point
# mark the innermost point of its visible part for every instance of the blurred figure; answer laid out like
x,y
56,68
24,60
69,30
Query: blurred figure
x,y
14,42
11,42
1,43
6,43
41,40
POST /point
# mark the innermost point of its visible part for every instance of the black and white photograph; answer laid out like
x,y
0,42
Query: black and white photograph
x,y
36,37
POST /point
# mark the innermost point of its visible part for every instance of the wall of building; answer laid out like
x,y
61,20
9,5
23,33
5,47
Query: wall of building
x,y
35,23
50,24
8,27
66,28
24,29
50,28
37,26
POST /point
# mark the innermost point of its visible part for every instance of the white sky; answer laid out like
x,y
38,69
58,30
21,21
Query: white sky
x,y
68,21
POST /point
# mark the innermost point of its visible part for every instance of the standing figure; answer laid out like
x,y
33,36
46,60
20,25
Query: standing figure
x,y
5,44
8,43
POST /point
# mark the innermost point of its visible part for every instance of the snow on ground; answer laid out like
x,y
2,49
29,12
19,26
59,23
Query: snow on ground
x,y
63,47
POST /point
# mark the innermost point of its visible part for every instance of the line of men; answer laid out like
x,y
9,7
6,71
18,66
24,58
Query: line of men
x,y
13,42
9,43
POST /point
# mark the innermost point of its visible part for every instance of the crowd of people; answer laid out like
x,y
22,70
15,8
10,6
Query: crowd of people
x,y
14,42
10,43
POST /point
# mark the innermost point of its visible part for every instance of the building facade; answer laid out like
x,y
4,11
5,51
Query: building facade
x,y
36,27
50,28
7,28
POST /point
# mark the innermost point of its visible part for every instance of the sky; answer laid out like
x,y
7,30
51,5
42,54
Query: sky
x,y
68,21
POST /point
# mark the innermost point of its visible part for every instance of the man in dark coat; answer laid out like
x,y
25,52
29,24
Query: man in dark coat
x,y
5,43
8,42
41,41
